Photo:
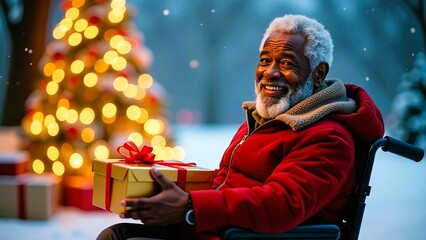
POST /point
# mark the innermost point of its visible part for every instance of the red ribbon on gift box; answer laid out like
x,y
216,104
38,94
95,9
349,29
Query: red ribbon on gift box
x,y
142,156
13,168
22,200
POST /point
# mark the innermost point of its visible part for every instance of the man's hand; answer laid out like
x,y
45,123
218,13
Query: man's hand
x,y
166,208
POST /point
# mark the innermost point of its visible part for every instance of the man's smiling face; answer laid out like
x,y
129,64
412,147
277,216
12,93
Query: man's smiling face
x,y
283,74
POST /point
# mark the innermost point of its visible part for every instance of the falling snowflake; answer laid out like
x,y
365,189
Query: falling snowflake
x,y
364,49
193,63
367,79
213,11
166,12
412,30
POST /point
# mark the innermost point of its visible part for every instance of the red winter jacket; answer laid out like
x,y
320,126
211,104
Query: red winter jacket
x,y
295,168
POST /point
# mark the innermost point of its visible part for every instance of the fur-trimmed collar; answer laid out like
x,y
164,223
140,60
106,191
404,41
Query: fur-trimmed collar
x,y
332,99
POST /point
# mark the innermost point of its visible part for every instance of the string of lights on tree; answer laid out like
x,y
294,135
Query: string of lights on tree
x,y
94,92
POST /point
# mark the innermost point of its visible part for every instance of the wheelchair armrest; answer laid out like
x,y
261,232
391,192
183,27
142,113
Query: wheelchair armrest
x,y
320,231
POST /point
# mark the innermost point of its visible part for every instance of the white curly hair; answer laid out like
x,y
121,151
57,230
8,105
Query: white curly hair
x,y
319,45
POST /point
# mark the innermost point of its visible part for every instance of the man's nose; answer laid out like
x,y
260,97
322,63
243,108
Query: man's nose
x,y
273,72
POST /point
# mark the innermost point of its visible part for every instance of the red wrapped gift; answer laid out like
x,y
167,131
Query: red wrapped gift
x,y
78,193
14,163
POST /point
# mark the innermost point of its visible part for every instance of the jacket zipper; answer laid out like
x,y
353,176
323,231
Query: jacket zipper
x,y
230,160
233,151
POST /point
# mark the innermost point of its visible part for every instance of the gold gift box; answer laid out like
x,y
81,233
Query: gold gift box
x,y
29,196
135,181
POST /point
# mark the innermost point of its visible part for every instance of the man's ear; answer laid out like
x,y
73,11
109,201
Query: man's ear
x,y
320,73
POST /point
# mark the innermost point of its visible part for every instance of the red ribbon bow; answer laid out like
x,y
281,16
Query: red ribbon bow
x,y
135,155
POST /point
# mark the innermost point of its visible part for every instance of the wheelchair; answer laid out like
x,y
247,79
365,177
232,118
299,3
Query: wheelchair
x,y
350,227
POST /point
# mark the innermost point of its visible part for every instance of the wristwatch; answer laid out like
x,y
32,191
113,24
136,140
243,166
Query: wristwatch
x,y
190,216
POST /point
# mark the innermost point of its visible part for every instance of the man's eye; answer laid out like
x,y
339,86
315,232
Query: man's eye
x,y
264,60
287,63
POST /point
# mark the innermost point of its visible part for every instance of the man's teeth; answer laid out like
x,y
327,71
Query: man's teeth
x,y
273,88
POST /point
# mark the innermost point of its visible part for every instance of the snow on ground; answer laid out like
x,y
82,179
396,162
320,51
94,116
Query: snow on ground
x,y
395,210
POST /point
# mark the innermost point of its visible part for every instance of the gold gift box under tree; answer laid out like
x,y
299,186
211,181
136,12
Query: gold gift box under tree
x,y
134,180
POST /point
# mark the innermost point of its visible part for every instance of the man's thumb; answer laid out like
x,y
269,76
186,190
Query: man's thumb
x,y
160,179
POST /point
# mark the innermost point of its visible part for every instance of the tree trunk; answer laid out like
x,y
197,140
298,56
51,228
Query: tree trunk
x,y
28,44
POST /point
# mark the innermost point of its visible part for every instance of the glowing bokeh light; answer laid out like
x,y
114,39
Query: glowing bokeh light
x,y
101,152
124,47
115,16
63,102
87,115
119,63
53,153
145,80
52,88
74,39
80,25
130,91
59,32
109,110
141,93
66,23
49,120
90,79
133,112
36,127
110,56
120,83
136,138
91,32
53,129
88,135
39,116
58,75
78,3
144,116
38,166
76,160
72,116
77,66
179,153
48,69
115,41
158,141
153,126
101,66
58,168
72,13
62,113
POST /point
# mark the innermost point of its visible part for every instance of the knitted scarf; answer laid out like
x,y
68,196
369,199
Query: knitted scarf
x,y
332,99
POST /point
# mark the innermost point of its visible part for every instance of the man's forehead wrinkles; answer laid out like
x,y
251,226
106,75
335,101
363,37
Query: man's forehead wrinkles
x,y
280,44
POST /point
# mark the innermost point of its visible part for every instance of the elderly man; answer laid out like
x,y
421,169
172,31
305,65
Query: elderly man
x,y
291,162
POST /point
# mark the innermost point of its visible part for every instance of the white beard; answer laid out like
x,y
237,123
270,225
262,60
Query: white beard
x,y
269,108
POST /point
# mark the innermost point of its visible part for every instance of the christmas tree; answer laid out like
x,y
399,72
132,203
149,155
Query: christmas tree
x,y
94,93
409,105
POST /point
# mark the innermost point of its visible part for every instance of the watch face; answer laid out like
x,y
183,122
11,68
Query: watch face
x,y
190,217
